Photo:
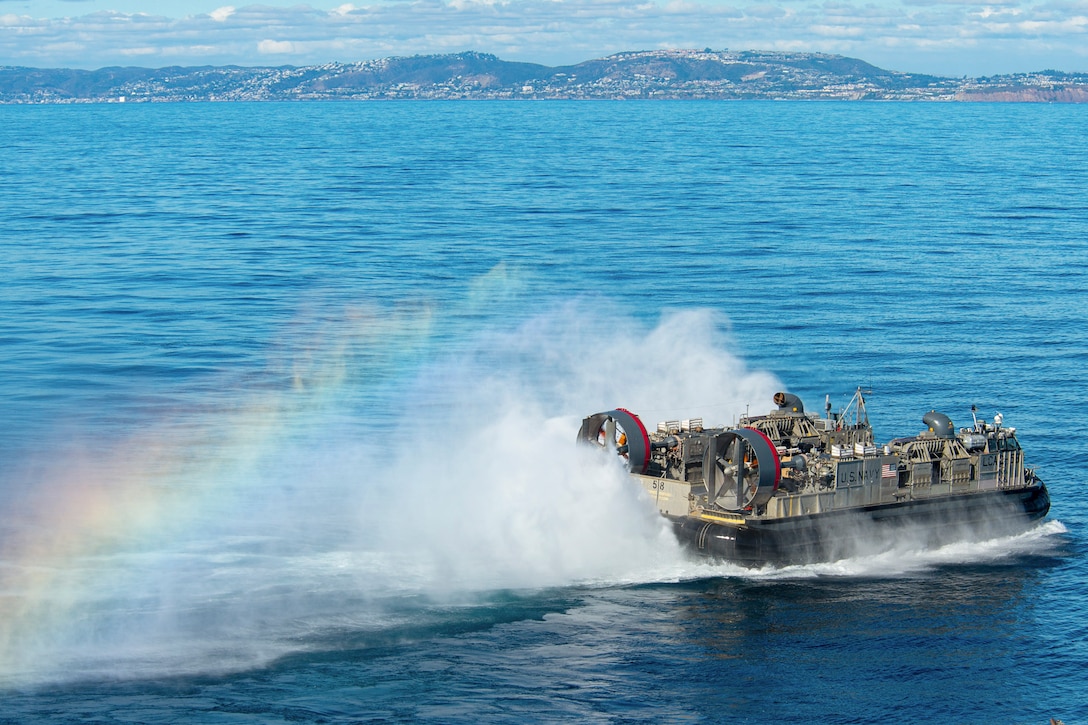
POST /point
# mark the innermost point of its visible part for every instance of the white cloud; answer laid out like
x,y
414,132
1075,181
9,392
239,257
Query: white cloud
x,y
193,52
838,31
275,47
911,35
221,14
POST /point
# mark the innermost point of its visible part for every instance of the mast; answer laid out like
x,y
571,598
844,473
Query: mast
x,y
857,405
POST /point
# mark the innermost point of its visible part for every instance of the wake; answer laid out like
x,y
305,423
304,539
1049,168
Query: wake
x,y
909,559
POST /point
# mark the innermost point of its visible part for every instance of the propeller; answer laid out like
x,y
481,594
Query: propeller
x,y
621,431
742,469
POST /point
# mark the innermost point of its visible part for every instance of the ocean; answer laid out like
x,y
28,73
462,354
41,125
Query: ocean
x,y
290,393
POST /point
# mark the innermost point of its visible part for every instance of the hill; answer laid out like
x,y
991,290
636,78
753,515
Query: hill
x,y
666,74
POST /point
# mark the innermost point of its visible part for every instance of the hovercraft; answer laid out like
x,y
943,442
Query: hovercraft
x,y
795,487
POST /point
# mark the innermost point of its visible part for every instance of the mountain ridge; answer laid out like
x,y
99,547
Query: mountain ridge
x,y
472,75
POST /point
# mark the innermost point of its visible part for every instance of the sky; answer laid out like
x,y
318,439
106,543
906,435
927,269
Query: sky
x,y
943,37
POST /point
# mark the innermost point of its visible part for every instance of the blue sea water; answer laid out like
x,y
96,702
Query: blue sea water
x,y
289,394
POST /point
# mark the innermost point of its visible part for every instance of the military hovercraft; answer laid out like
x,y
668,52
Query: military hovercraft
x,y
795,487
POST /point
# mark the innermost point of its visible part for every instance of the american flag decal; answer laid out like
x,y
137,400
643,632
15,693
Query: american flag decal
x,y
887,470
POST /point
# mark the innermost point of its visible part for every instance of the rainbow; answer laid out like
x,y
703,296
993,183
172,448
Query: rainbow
x,y
93,513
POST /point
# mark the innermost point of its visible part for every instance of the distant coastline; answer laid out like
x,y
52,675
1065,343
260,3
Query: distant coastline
x,y
659,74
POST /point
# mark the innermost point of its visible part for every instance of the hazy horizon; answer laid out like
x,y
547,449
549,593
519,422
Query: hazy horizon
x,y
951,39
